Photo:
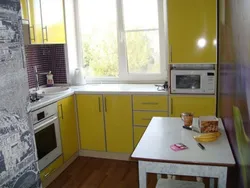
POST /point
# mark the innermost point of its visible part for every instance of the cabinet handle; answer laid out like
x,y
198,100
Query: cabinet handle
x,y
171,106
61,110
150,103
105,104
146,119
46,32
47,174
170,53
33,31
99,104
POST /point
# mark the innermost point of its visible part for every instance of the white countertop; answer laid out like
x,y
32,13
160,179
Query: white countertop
x,y
163,132
139,89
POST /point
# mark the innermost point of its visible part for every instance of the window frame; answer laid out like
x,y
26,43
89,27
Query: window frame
x,y
123,73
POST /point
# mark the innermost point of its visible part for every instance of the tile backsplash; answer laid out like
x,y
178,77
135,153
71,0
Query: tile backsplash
x,y
47,58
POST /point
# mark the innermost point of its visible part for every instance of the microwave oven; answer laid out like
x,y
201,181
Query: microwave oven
x,y
193,81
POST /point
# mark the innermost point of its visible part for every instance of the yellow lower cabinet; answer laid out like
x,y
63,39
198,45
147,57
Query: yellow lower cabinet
x,y
46,172
68,127
150,102
138,132
91,122
118,119
144,117
199,105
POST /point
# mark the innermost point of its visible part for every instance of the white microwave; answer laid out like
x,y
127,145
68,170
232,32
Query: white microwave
x,y
193,81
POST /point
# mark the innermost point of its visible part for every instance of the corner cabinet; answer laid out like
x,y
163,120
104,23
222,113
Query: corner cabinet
x,y
68,127
118,119
199,105
91,122
192,31
46,20
53,21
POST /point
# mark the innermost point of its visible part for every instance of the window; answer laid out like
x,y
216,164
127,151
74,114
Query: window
x,y
122,39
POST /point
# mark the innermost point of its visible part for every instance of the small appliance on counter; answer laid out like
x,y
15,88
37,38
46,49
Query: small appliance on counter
x,y
193,81
79,76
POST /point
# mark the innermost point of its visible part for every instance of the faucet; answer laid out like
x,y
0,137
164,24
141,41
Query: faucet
x,y
37,77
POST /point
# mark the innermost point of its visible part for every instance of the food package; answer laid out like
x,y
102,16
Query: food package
x,y
208,124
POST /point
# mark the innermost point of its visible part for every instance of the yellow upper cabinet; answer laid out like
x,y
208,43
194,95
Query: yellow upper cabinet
x,y
68,126
53,21
199,105
91,122
24,8
118,119
192,31
35,21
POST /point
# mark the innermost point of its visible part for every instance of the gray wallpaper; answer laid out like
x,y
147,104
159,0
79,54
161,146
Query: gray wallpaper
x,y
18,166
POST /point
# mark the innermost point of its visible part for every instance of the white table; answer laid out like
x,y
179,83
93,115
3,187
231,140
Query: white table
x,y
155,155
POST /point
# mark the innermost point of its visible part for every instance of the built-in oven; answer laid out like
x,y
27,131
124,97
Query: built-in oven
x,y
47,135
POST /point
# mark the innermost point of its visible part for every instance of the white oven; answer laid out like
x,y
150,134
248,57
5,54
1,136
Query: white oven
x,y
193,81
47,135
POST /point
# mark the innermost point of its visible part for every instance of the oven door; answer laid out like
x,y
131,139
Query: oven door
x,y
186,82
48,141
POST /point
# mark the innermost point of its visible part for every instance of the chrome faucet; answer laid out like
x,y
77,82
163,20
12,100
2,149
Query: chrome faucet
x,y
37,77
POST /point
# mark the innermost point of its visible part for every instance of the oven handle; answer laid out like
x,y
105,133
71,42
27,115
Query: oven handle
x,y
43,125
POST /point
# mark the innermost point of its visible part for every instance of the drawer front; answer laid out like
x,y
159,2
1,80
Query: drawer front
x,y
138,132
143,118
46,172
158,103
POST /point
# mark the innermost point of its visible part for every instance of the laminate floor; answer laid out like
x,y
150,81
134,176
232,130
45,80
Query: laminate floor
x,y
86,172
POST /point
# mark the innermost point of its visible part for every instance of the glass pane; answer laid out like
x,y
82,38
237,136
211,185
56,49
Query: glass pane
x,y
98,23
188,81
140,14
143,52
45,141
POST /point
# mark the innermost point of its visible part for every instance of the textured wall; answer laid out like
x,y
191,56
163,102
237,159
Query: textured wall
x,y
47,58
18,166
234,82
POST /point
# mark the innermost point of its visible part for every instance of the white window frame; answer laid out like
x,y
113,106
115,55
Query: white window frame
x,y
124,75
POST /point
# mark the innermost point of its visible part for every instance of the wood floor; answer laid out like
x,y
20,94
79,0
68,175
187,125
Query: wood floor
x,y
87,172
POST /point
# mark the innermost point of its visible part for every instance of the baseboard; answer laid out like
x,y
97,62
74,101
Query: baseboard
x,y
105,155
55,174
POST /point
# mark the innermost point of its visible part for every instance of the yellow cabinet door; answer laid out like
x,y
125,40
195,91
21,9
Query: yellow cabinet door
x,y
118,119
24,9
53,21
34,8
68,127
199,105
49,170
91,122
192,31
138,132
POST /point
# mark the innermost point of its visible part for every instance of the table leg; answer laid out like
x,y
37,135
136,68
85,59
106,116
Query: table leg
x,y
222,179
142,175
211,183
158,176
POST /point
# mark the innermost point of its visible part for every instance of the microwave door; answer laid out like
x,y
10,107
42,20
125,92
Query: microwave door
x,y
188,82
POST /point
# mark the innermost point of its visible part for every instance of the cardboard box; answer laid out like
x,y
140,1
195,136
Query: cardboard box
x,y
208,124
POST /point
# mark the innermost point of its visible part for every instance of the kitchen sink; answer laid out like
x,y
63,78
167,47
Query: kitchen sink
x,y
52,90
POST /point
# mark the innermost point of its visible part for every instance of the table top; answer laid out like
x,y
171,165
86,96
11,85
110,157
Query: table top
x,y
163,132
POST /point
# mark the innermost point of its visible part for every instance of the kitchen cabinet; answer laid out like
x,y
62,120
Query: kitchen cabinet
x,y
118,120
24,9
46,172
35,21
153,103
53,21
68,127
192,31
138,132
91,122
143,118
199,105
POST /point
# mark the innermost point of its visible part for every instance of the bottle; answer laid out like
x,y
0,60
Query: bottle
x,y
50,81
